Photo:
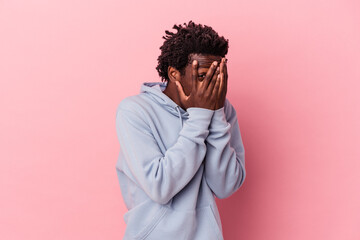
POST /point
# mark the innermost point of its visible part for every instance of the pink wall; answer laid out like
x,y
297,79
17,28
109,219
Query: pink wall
x,y
293,78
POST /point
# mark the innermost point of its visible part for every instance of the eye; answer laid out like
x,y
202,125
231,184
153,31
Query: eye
x,y
202,75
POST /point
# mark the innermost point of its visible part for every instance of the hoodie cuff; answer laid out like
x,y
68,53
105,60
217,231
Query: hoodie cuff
x,y
218,120
200,116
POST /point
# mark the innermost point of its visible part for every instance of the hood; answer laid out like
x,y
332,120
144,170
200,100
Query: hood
x,y
155,91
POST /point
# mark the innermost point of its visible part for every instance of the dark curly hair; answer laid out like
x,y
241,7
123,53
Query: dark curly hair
x,y
190,39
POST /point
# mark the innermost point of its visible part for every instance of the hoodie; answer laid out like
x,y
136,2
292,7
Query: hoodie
x,y
172,163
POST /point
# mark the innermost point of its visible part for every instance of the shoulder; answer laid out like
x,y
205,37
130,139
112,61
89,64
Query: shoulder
x,y
131,113
132,109
136,104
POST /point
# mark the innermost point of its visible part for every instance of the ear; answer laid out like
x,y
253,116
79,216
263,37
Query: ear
x,y
173,74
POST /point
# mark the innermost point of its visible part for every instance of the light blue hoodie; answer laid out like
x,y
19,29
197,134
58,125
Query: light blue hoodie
x,y
171,164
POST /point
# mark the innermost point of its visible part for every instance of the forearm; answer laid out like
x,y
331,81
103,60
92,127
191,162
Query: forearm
x,y
225,162
162,176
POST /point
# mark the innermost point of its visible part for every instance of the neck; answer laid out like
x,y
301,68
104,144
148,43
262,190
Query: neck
x,y
172,92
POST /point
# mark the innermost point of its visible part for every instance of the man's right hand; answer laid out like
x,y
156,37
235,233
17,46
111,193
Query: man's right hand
x,y
204,94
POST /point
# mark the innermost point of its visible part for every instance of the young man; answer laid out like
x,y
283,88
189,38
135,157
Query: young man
x,y
180,142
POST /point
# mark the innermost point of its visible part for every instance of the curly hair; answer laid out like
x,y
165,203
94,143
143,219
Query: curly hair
x,y
192,38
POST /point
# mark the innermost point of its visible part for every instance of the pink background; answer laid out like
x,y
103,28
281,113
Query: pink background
x,y
294,72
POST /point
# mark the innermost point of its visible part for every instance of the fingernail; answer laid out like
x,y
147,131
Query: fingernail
x,y
194,62
215,63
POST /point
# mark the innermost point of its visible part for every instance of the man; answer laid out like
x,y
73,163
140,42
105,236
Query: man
x,y
180,142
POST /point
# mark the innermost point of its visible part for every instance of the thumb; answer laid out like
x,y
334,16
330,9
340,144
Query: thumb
x,y
181,92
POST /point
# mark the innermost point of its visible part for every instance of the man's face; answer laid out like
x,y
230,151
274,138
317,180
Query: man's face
x,y
204,63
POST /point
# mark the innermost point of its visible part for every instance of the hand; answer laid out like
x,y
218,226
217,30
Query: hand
x,y
204,94
223,84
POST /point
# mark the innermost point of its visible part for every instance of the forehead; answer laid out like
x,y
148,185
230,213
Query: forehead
x,y
205,60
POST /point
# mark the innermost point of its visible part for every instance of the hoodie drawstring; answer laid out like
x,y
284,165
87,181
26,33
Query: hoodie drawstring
x,y
178,110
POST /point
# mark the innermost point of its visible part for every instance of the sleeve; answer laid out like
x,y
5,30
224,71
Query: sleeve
x,y
225,158
161,176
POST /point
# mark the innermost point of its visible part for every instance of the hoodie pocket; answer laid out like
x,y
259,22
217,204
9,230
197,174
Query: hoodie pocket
x,y
142,219
150,227
184,225
172,225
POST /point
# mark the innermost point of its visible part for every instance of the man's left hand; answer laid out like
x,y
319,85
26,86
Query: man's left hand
x,y
220,100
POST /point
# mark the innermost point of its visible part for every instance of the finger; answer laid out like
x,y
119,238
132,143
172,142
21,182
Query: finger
x,y
225,76
221,87
222,76
215,95
209,75
181,92
222,65
194,75
222,90
213,81
225,69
